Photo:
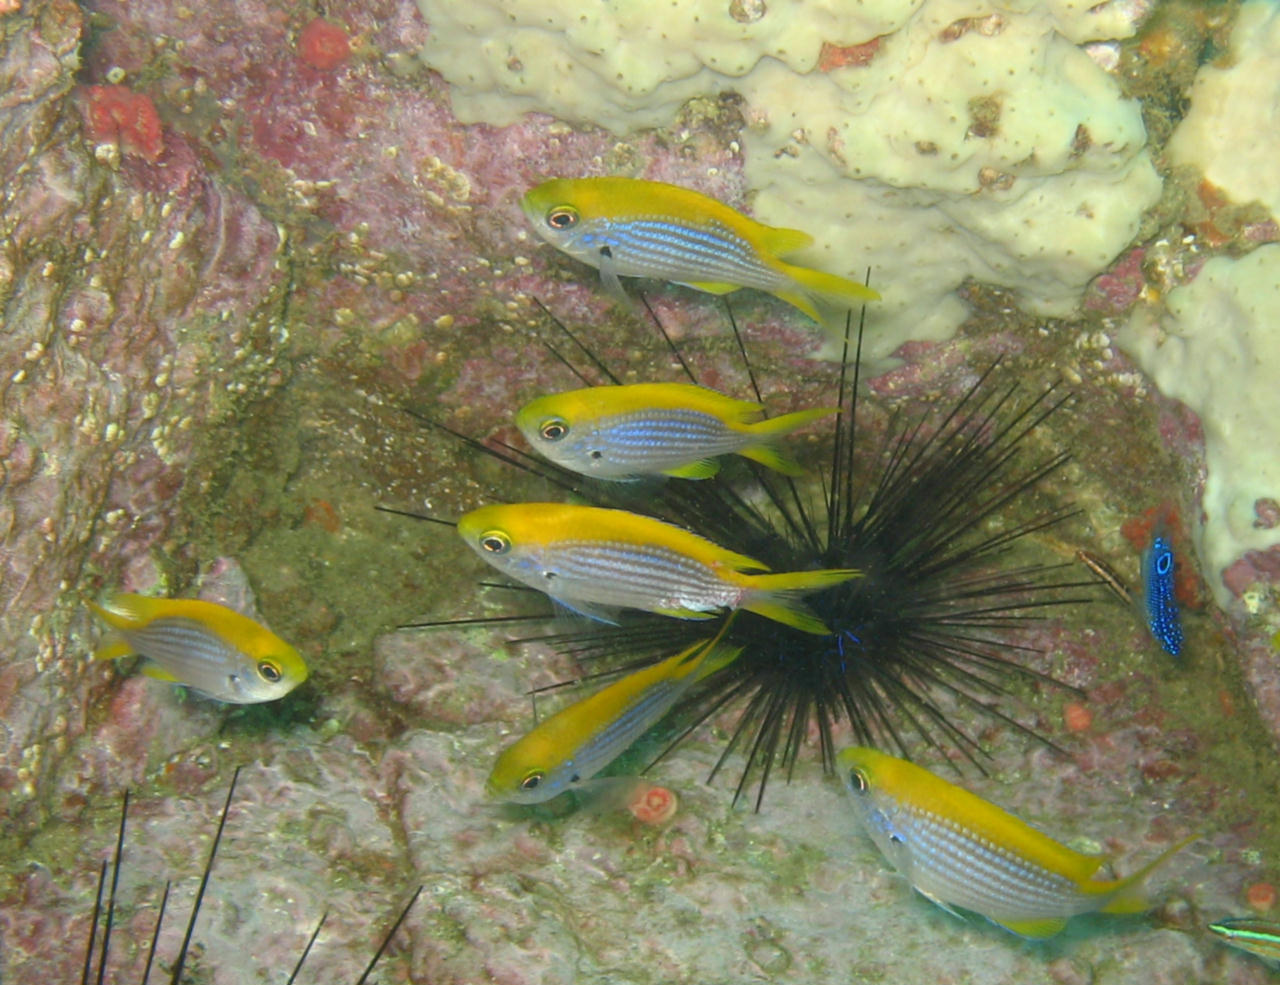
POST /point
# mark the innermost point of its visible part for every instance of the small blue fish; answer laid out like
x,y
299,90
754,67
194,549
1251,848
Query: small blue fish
x,y
1158,593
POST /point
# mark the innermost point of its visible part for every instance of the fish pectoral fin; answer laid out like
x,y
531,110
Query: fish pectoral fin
x,y
155,671
710,286
704,468
1034,929
598,613
941,904
609,276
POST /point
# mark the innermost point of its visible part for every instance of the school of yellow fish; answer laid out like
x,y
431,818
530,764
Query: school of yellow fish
x,y
952,847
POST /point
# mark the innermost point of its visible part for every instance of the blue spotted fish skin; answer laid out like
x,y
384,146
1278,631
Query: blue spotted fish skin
x,y
1158,594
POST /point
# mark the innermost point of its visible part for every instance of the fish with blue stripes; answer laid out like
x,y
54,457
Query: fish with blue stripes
x,y
1159,600
959,850
596,561
629,227
1253,934
646,429
206,646
566,750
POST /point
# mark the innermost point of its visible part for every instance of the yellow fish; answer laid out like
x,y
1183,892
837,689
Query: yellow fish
x,y
205,646
575,743
595,561
627,227
957,849
678,429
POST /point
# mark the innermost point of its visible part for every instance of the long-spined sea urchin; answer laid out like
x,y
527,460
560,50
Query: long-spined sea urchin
x,y
933,624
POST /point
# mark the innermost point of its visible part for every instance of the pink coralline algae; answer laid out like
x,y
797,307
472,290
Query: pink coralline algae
x,y
1120,287
296,243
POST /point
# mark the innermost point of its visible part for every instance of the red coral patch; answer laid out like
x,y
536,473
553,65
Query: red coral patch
x,y
834,56
115,114
323,45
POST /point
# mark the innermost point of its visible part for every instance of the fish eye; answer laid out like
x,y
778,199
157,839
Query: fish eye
x,y
495,542
531,781
857,781
553,429
269,672
1164,563
562,217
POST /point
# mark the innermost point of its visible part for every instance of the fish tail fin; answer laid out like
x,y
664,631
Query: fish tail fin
x,y
844,292
770,456
1128,895
777,596
113,647
122,610
715,659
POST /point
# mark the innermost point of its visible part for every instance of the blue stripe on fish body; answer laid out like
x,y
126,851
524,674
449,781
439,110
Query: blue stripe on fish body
x,y
613,739
645,443
622,575
183,643
1158,588
662,249
951,865
618,735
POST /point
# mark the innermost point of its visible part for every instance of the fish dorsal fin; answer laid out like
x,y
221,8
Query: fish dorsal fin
x,y
780,241
738,562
